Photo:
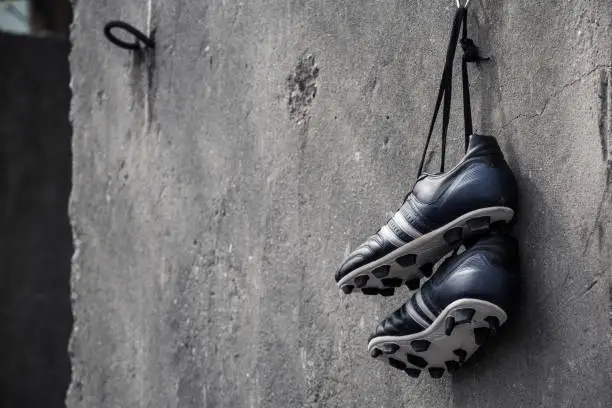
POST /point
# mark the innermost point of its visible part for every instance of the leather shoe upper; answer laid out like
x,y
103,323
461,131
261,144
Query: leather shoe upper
x,y
481,179
487,271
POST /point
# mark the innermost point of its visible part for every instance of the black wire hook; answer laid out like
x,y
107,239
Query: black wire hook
x,y
139,36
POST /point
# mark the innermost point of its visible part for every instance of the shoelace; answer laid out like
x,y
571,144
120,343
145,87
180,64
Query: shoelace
x,y
470,54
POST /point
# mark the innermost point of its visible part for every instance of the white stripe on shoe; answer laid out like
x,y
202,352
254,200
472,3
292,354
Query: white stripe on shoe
x,y
390,236
401,222
419,300
416,316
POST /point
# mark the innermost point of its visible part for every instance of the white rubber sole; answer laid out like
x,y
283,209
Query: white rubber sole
x,y
461,328
415,260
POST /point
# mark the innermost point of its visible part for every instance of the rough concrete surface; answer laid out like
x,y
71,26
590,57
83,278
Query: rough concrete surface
x,y
219,181
35,237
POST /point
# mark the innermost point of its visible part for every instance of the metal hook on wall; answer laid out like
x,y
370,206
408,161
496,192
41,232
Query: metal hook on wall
x,y
140,37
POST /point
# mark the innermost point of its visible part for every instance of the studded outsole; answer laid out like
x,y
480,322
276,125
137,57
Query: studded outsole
x,y
415,260
446,344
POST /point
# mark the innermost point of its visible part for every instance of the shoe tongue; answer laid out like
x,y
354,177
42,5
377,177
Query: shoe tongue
x,y
475,140
425,174
481,140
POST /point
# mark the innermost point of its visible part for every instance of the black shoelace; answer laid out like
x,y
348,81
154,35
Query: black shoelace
x,y
470,54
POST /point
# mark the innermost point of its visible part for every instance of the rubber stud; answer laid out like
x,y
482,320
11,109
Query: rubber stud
x,y
386,292
413,372
436,372
361,281
453,236
348,289
480,224
463,316
461,353
381,271
493,324
451,365
413,284
417,361
449,325
390,348
375,353
397,364
392,282
420,345
481,335
370,291
406,260
427,270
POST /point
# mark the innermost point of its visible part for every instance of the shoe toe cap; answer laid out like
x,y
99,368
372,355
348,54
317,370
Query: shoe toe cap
x,y
364,254
367,252
352,262
399,323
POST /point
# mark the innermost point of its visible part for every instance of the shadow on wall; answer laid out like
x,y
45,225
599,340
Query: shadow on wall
x,y
35,235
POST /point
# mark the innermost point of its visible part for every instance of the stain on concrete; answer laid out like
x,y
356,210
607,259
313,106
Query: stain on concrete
x,y
605,132
189,393
371,83
610,303
302,87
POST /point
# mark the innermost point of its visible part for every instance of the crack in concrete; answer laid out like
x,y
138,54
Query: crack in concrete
x,y
605,113
590,287
551,97
597,222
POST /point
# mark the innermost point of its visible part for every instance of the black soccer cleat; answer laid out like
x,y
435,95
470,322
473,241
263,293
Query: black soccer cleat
x,y
441,212
454,313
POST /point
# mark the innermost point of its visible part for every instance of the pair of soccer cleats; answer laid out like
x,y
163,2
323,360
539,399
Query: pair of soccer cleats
x,y
469,296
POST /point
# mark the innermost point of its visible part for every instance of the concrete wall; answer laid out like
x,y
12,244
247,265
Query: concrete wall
x,y
35,237
219,181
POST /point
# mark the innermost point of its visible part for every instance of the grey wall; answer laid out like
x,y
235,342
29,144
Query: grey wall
x,y
213,199
35,237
